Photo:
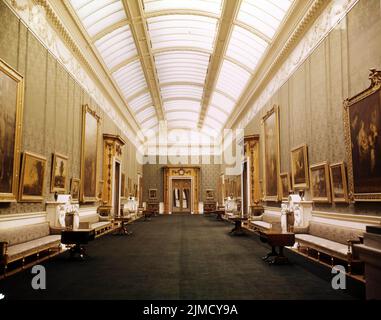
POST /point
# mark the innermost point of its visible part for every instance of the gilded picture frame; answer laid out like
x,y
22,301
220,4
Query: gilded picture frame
x,y
362,125
210,194
89,158
339,184
152,194
320,184
58,180
75,187
299,168
11,119
285,182
100,190
271,155
32,184
123,193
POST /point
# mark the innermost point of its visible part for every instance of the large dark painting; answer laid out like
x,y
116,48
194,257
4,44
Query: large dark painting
x,y
271,154
363,131
32,178
89,161
11,106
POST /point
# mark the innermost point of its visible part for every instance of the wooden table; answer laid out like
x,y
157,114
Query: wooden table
x,y
237,230
76,239
277,239
219,214
122,230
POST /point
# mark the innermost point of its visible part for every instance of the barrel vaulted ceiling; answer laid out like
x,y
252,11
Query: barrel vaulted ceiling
x,y
183,61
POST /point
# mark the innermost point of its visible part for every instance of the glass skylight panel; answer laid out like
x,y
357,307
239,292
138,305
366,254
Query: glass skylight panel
x,y
222,102
145,114
181,124
264,15
176,91
130,78
217,114
182,31
212,122
246,47
232,79
192,116
117,46
184,105
141,102
212,6
149,123
97,15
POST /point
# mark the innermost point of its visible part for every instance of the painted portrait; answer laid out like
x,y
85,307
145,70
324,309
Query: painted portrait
x,y
363,130
271,154
11,108
89,161
320,183
338,182
59,173
152,194
74,189
299,167
286,185
209,194
32,178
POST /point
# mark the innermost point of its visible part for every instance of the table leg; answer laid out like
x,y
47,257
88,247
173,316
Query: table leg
x,y
273,253
79,250
280,258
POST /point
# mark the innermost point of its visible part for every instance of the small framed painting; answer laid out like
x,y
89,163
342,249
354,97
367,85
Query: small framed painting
x,y
320,183
74,189
285,185
59,173
339,184
32,178
152,194
299,167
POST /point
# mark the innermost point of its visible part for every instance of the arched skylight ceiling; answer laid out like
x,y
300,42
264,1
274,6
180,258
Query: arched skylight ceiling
x,y
182,40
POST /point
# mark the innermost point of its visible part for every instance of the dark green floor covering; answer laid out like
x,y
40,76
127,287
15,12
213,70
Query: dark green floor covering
x,y
173,257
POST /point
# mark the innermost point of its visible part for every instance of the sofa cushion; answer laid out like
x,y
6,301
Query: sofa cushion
x,y
261,224
23,249
334,233
94,218
331,246
23,234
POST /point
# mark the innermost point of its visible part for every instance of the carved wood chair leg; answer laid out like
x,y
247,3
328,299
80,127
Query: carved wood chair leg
x,y
318,256
332,262
308,252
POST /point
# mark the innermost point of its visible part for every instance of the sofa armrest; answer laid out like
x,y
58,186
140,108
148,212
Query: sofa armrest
x,y
103,219
301,230
3,249
351,242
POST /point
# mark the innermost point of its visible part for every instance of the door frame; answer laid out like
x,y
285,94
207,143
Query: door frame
x,y
113,184
171,193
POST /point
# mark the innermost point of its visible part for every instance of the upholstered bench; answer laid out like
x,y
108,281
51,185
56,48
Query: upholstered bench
x,y
20,243
265,221
99,224
332,240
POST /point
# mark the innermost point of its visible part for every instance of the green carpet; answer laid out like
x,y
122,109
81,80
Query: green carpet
x,y
173,257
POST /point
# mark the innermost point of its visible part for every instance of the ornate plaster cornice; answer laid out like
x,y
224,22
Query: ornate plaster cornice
x,y
41,19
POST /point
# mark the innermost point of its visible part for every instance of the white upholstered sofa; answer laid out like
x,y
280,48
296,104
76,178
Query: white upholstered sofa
x,y
20,243
265,221
101,225
331,240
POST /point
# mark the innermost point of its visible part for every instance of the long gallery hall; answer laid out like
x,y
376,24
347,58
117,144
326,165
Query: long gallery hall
x,y
190,150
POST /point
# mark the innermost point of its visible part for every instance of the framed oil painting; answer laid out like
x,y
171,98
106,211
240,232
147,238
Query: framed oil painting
x,y
32,178
59,173
271,161
285,185
209,194
89,159
299,167
123,193
339,185
362,123
320,183
129,187
152,194
74,189
11,115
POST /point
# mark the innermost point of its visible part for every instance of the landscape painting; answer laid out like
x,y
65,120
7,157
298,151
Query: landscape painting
x,y
320,183
11,108
271,154
32,178
89,161
59,173
363,132
299,168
